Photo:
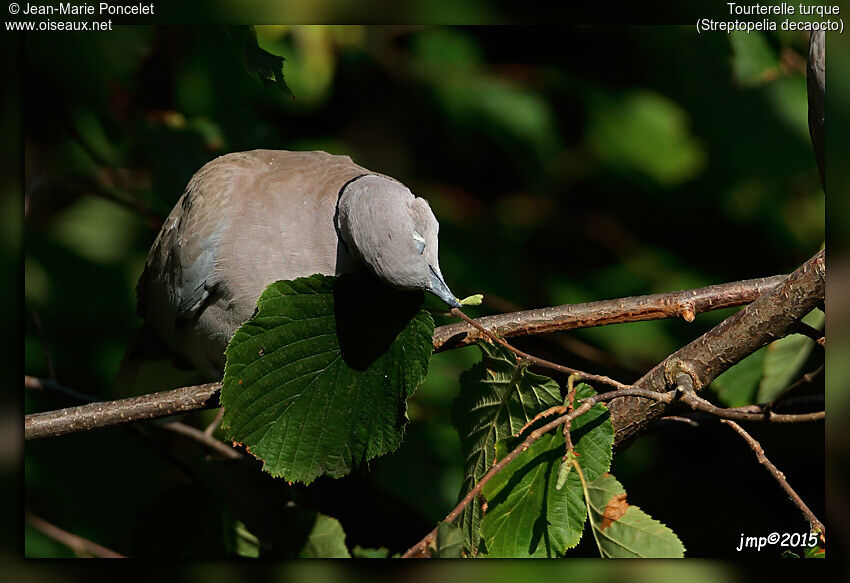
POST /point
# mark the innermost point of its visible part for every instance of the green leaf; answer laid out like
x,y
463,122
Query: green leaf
x,y
497,398
564,470
738,385
449,541
764,374
754,61
785,359
473,300
625,531
267,67
244,543
815,552
317,381
527,514
304,533
359,552
326,540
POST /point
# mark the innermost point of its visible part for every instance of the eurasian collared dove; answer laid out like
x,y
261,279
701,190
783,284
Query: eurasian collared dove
x,y
248,219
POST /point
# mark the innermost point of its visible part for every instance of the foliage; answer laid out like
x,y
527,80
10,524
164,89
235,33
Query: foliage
x,y
528,515
306,392
496,400
625,531
565,164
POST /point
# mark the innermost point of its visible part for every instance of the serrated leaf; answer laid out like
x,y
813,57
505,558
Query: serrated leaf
x,y
497,398
449,541
625,531
317,381
527,514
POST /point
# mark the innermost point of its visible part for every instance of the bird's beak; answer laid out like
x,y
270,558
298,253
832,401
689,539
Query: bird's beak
x,y
440,289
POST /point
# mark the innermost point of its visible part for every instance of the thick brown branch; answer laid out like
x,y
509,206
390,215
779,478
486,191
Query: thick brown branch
x,y
683,304
771,316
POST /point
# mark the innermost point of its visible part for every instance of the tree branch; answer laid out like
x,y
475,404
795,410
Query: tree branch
x,y
684,388
111,413
657,306
773,315
520,355
203,437
683,304
685,384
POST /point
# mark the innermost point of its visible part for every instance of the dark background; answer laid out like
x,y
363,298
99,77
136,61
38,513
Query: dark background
x,y
565,164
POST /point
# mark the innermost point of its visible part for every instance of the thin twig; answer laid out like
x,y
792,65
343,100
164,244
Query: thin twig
x,y
534,359
803,380
78,544
676,422
37,384
214,423
697,403
204,438
681,304
570,403
568,343
816,524
758,414
51,372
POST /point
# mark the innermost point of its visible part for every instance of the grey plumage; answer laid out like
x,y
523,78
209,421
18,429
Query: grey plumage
x,y
250,218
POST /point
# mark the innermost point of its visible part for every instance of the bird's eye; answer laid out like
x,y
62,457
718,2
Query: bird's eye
x,y
420,242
